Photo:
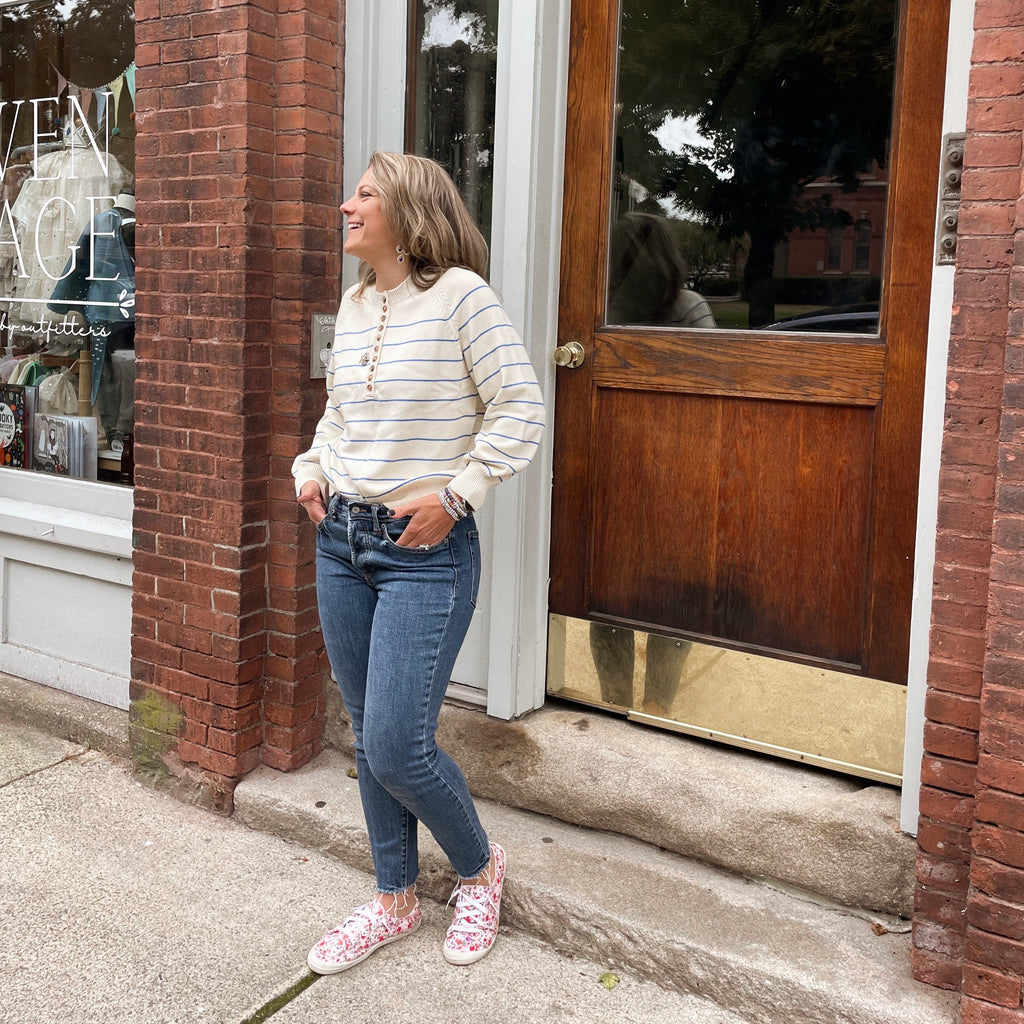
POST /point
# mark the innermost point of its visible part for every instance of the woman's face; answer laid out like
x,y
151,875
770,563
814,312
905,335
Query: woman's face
x,y
368,235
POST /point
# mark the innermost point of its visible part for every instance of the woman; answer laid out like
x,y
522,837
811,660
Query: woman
x,y
431,402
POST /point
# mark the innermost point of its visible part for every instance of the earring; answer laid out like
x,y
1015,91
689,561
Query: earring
x,y
400,257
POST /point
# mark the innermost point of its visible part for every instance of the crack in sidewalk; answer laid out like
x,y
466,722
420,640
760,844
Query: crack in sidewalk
x,y
46,767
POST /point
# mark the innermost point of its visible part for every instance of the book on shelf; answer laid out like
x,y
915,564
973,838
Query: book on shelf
x,y
66,445
17,418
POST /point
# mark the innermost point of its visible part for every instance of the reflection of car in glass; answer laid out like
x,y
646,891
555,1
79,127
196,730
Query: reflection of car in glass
x,y
838,320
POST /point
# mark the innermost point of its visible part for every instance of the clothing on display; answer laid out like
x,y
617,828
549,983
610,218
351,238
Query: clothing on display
x,y
98,281
113,383
49,213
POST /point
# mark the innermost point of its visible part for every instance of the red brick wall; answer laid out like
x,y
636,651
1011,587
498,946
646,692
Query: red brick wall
x,y
969,908
238,155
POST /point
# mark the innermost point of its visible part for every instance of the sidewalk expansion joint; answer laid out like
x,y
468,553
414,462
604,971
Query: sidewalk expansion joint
x,y
282,999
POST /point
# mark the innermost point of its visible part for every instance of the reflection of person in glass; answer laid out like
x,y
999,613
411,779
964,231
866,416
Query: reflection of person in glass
x,y
613,650
647,276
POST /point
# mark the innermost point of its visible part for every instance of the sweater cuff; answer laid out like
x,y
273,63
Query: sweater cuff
x,y
473,485
304,473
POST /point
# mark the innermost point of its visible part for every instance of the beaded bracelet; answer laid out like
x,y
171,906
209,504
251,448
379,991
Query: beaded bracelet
x,y
452,505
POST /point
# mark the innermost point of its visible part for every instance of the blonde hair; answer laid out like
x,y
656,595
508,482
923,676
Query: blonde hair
x,y
424,209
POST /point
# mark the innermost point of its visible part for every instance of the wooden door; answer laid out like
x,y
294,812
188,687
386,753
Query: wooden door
x,y
748,486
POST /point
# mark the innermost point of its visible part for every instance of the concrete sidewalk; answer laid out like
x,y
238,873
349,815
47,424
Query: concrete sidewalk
x,y
121,904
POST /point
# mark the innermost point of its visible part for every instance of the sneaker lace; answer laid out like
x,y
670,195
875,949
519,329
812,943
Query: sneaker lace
x,y
473,904
360,922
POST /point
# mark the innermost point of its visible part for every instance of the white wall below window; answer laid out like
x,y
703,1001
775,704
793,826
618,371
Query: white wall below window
x,y
66,584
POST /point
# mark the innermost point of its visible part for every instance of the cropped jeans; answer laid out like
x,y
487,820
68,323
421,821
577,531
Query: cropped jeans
x,y
393,620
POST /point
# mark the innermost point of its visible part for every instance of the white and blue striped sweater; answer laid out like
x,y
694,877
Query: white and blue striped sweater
x,y
424,389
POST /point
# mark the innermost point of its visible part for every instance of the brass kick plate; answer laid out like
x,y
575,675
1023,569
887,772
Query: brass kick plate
x,y
847,723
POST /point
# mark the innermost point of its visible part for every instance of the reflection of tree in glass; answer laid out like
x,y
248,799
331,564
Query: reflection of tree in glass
x,y
774,94
99,27
89,42
455,86
702,249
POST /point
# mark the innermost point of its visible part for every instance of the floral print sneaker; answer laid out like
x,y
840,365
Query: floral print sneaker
x,y
475,923
368,928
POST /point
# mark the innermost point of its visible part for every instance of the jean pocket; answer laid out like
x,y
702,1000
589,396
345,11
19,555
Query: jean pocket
x,y
394,528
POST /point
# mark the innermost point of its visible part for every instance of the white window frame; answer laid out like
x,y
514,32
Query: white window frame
x,y
503,664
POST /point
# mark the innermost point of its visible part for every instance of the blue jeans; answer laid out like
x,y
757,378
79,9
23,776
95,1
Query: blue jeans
x,y
393,620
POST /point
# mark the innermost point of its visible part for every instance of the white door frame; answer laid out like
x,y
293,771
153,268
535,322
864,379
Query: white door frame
x,y
954,119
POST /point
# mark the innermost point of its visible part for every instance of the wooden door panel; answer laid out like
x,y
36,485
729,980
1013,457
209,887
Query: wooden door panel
x,y
768,365
653,548
792,527
766,541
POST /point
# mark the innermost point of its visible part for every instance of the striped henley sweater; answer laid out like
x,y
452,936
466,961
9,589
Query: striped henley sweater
x,y
425,389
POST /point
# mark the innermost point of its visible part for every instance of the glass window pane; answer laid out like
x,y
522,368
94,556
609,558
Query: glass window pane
x,y
862,246
452,76
751,143
67,233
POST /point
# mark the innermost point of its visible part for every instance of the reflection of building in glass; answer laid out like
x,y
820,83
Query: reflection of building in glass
x,y
853,245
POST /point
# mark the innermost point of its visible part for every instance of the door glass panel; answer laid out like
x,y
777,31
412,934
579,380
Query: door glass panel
x,y
452,75
751,172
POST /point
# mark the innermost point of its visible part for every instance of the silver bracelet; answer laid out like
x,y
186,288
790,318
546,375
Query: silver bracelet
x,y
452,505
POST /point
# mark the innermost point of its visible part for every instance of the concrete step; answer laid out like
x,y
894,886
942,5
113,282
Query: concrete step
x,y
765,955
756,816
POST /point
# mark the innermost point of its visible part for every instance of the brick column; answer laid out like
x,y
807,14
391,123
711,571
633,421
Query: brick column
x,y
307,272
237,165
969,906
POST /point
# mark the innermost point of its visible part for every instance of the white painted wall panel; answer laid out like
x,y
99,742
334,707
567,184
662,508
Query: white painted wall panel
x,y
65,585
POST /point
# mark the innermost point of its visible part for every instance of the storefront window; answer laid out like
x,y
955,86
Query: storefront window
x,y
67,238
452,74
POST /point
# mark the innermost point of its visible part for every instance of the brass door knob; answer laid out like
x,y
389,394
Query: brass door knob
x,y
570,355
